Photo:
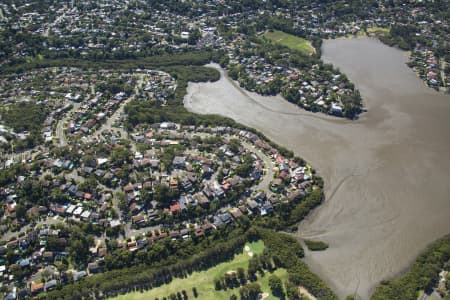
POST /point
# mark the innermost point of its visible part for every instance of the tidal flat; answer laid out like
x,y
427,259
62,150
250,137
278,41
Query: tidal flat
x,y
387,174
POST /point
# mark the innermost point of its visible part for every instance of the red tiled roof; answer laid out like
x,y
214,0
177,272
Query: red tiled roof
x,y
175,207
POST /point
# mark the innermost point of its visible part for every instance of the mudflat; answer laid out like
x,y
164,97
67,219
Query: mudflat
x,y
387,175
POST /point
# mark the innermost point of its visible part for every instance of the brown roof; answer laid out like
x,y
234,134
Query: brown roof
x,y
235,212
102,252
138,218
36,287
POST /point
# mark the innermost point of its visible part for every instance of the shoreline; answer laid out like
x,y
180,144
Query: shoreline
x,y
362,163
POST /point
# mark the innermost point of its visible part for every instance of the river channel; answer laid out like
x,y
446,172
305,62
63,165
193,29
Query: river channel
x,y
387,175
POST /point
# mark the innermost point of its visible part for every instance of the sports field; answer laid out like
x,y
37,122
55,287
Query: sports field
x,y
290,41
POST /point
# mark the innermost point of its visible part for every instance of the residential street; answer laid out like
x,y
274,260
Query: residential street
x,y
268,176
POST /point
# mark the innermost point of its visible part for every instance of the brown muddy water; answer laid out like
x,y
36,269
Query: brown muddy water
x,y
387,174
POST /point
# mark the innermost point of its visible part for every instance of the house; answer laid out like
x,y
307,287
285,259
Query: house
x,y
138,219
70,209
48,256
79,194
336,109
192,177
174,235
72,189
184,35
175,207
304,185
102,251
276,184
187,185
235,212
93,268
184,233
179,162
253,205
167,126
207,171
292,196
273,199
183,202
173,184
23,294
36,287
78,275
114,223
266,208
260,197
135,208
85,215
128,188
219,192
201,199
58,209
99,173
11,296
94,217
283,175
217,222
51,284
88,170
199,232
78,211
24,263
226,218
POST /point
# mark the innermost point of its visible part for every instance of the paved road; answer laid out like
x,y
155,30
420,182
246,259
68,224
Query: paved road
x,y
60,135
109,124
23,156
47,221
264,184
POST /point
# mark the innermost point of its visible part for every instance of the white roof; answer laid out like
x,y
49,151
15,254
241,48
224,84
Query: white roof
x,y
78,211
70,209
114,223
86,214
101,161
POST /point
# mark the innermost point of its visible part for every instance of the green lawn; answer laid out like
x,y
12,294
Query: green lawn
x,y
377,29
291,41
204,281
421,292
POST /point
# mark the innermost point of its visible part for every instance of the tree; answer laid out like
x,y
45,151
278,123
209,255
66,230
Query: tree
x,y
217,285
89,160
253,267
241,275
276,285
292,291
120,156
185,296
16,271
123,201
20,211
250,291
163,195
89,185
46,274
194,291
